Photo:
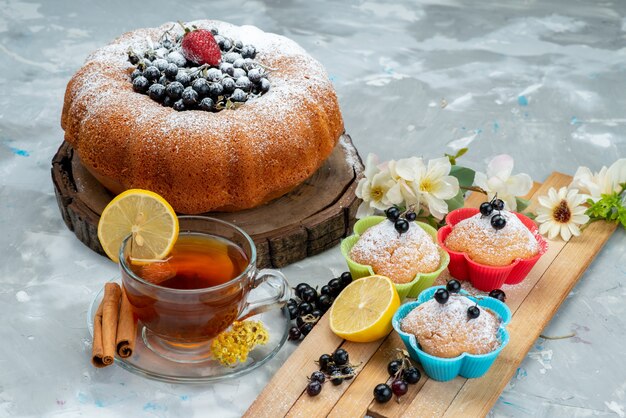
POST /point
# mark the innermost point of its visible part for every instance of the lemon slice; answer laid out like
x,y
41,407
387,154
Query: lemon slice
x,y
145,215
362,312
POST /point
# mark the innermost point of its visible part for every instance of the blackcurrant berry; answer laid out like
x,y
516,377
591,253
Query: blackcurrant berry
x,y
306,328
473,312
345,278
393,367
319,376
174,90
294,334
305,308
335,286
317,313
206,104
498,294
190,97
324,302
140,84
325,290
392,213
411,375
498,204
410,216
324,361
340,357
453,286
152,73
399,387
293,311
442,296
486,208
382,393
157,92
336,378
401,225
348,372
498,222
308,295
313,388
300,287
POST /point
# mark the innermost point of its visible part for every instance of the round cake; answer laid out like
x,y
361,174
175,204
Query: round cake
x,y
484,244
250,147
400,257
445,330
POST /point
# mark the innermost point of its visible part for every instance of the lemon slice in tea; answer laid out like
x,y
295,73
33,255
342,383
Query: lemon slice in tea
x,y
363,310
145,215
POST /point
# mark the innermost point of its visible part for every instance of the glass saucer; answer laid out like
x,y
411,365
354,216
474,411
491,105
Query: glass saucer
x,y
145,362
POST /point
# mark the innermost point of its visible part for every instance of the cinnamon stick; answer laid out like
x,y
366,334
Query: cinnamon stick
x,y
126,329
105,326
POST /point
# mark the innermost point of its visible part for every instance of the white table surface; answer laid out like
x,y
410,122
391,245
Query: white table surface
x,y
542,81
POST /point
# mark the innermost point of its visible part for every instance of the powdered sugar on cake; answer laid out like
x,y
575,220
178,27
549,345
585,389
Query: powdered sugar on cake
x,y
397,256
445,330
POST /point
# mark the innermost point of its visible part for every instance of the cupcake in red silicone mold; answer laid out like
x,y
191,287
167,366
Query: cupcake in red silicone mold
x,y
491,247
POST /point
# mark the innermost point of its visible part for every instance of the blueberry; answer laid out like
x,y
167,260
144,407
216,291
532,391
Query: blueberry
x,y
213,74
393,213
308,295
201,86
498,294
255,75
324,302
498,204
216,89
228,85
453,286
294,334
345,278
157,92
248,51
183,78
239,62
177,58
174,90
190,97
239,96
498,222
382,393
335,286
140,84
410,216
228,44
473,312
265,85
161,64
401,225
238,72
136,73
152,73
340,357
171,71
225,66
179,105
442,296
231,57
486,208
243,83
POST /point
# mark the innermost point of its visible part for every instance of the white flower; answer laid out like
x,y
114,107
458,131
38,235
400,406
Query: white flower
x,y
434,185
605,181
404,172
499,180
373,188
561,213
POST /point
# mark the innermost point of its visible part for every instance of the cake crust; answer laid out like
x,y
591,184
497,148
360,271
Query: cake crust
x,y
202,161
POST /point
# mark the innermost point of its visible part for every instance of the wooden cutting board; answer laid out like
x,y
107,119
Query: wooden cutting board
x,y
312,218
532,302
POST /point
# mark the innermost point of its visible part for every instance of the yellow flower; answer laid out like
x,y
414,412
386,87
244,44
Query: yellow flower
x,y
234,345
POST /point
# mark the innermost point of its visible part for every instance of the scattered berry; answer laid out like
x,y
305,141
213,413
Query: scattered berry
x,y
411,375
294,334
340,357
228,45
177,58
160,63
140,84
215,89
393,367
239,62
473,312
336,377
498,222
392,213
255,75
238,72
382,393
324,361
399,387
335,286
486,208
319,376
136,73
401,225
313,388
348,372
442,296
498,294
199,46
453,286
231,57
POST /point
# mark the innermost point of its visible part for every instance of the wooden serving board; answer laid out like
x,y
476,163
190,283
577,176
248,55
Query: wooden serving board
x,y
308,220
532,302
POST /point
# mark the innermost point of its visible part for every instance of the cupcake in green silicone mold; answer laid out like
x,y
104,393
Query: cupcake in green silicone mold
x,y
412,259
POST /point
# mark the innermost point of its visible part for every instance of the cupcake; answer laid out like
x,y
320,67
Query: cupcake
x,y
399,256
447,330
492,246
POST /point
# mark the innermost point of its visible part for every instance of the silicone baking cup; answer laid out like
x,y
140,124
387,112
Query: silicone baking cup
x,y
466,365
410,289
481,276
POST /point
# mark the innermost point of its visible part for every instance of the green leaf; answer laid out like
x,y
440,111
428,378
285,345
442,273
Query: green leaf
x,y
456,202
461,152
464,175
521,204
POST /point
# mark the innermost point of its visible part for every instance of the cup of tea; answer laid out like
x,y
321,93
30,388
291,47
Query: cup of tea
x,y
204,285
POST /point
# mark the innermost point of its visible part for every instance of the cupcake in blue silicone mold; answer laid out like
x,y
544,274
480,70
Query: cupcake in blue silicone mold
x,y
465,365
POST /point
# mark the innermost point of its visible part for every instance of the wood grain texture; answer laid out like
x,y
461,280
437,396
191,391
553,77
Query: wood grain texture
x,y
308,220
532,302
